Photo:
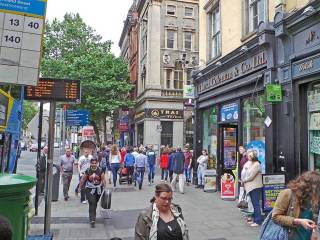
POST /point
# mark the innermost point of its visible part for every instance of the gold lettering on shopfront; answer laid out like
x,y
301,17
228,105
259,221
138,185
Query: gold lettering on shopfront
x,y
306,66
238,70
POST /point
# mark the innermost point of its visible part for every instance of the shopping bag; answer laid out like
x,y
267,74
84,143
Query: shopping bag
x,y
105,201
272,231
243,204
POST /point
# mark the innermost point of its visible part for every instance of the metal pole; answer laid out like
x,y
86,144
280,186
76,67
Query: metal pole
x,y
60,129
64,129
47,216
36,201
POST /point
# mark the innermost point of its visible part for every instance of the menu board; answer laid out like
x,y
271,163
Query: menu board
x,y
59,90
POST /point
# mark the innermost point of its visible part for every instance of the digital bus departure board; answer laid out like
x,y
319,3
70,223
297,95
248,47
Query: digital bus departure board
x,y
59,90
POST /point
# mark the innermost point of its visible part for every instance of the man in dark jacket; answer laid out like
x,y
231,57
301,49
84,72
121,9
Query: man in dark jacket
x,y
178,168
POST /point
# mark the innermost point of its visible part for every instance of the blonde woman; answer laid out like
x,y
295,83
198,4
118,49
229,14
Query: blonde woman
x,y
114,159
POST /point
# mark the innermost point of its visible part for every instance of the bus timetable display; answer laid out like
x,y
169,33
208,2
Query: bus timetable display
x,y
59,90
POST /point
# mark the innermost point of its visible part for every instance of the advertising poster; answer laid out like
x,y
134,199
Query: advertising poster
x,y
229,112
272,185
230,161
210,180
228,186
260,148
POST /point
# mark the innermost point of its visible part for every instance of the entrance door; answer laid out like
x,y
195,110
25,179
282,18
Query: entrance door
x,y
228,148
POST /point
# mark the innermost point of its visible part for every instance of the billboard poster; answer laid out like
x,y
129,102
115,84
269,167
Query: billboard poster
x,y
229,112
230,161
210,180
259,147
272,186
228,186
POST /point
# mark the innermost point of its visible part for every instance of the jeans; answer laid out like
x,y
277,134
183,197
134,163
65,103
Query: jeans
x,y
93,200
255,196
66,179
164,173
174,182
140,175
151,173
187,173
114,168
82,191
200,174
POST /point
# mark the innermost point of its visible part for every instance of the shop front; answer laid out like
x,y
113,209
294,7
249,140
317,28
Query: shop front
x,y
300,76
231,110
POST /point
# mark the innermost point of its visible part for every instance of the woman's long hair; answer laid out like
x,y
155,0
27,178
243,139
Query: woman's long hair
x,y
307,187
114,149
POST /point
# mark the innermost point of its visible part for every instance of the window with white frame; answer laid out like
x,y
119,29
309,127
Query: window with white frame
x,y
168,77
178,79
188,12
171,36
171,10
188,40
255,12
215,33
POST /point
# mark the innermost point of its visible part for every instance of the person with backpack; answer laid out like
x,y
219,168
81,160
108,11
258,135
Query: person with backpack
x,y
129,165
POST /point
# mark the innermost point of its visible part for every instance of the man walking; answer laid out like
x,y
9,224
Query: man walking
x,y
140,164
83,165
66,168
187,165
151,164
178,167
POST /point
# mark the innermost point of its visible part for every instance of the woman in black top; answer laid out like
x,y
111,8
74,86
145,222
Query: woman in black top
x,y
94,179
163,220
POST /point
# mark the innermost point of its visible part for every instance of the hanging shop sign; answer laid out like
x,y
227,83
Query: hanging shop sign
x,y
210,180
228,186
274,93
139,116
123,127
229,112
164,113
188,91
272,185
248,66
88,131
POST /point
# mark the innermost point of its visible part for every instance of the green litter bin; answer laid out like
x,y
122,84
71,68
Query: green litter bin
x,y
14,198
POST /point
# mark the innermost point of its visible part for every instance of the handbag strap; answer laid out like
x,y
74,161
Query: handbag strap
x,y
244,195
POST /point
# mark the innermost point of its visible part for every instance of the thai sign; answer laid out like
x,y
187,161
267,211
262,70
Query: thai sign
x,y
246,67
164,113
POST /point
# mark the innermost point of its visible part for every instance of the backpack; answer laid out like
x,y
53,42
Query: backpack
x,y
129,160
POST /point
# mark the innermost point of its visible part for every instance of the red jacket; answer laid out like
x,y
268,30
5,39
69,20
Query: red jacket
x,y
164,159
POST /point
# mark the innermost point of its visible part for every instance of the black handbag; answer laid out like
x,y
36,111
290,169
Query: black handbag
x,y
243,204
105,201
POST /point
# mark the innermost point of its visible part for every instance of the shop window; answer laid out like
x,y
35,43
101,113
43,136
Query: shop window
x,y
314,126
253,116
210,134
189,132
166,133
140,133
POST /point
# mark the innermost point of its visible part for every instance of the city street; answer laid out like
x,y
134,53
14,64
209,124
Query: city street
x,y
208,217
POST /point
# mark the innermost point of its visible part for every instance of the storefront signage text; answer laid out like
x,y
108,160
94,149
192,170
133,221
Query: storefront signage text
x,y
164,113
234,72
138,116
306,66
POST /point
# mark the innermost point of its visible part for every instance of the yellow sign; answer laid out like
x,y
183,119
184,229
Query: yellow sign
x,y
6,103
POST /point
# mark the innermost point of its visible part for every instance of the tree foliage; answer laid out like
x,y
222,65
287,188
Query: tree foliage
x,y
74,50
29,111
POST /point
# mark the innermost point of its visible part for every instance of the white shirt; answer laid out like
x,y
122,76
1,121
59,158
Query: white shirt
x,y
84,163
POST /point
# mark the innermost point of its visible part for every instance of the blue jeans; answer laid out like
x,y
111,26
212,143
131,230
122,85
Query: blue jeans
x,y
187,173
114,168
255,196
164,174
140,175
151,172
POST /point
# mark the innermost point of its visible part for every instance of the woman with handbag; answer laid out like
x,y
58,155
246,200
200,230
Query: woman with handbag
x,y
253,185
296,207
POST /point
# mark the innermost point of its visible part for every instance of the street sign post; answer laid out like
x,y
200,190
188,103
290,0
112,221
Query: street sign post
x,y
50,89
77,117
21,32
